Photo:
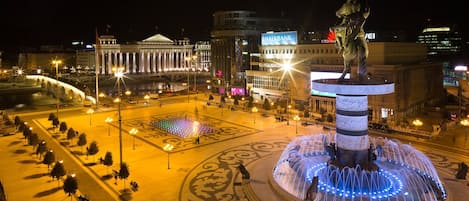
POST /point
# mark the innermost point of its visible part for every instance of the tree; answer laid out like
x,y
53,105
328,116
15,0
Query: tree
x,y
71,134
49,158
222,99
55,122
108,160
329,118
306,113
58,171
266,105
93,149
51,117
124,172
22,126
41,148
17,121
250,102
63,127
70,185
82,141
27,133
33,140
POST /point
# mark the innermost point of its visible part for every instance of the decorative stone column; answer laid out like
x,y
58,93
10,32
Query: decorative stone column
x,y
352,118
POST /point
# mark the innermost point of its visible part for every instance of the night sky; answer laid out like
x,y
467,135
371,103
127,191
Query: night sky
x,y
30,23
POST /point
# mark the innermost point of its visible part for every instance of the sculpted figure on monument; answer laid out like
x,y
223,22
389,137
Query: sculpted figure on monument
x,y
350,36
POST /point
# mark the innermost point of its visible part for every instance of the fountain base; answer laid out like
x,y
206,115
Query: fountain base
x,y
400,172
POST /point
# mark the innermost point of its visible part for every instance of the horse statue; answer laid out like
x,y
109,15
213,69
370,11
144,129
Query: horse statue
x,y
350,36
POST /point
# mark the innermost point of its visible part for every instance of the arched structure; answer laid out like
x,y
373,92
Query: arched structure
x,y
66,91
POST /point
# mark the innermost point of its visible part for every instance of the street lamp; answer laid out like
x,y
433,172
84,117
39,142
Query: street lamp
x,y
128,93
168,148
90,112
119,74
288,114
254,110
194,63
417,122
133,132
108,120
147,98
296,118
195,131
56,62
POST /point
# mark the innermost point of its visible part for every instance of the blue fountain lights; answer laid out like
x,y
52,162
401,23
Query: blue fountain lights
x,y
388,191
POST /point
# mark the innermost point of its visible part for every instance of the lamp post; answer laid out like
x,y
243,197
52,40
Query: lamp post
x,y
128,93
108,120
195,131
133,132
296,118
146,98
288,114
254,111
119,74
56,62
188,59
90,112
194,63
100,95
417,123
168,148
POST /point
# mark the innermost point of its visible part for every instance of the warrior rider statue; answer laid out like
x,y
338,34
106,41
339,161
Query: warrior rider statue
x,y
350,36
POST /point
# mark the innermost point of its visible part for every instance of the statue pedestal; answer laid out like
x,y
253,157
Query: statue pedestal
x,y
352,117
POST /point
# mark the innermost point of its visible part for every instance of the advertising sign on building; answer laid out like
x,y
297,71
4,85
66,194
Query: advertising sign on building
x,y
279,38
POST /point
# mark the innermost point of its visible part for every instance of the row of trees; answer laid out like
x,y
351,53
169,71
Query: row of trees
x,y
92,149
47,155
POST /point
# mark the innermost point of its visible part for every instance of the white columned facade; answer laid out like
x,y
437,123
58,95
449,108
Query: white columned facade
x,y
127,67
153,63
141,64
103,62
153,55
159,64
134,63
121,61
147,69
109,62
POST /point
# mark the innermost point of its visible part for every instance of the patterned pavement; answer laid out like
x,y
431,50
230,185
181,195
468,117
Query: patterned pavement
x,y
206,171
223,130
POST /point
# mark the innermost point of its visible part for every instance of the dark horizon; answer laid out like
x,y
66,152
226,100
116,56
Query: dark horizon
x,y
35,23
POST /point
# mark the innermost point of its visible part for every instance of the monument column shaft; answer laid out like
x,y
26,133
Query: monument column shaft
x,y
352,129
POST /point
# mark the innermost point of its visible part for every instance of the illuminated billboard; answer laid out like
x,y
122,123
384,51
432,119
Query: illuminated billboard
x,y
325,75
279,38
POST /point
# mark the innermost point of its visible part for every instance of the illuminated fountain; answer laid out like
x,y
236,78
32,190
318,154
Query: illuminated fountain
x,y
182,127
350,165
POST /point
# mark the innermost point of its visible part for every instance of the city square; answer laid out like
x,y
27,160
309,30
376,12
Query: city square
x,y
205,171
350,100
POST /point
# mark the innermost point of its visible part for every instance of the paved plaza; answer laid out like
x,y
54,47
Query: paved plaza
x,y
190,171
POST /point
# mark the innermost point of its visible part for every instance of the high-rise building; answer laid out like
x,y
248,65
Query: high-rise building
x,y
235,38
442,42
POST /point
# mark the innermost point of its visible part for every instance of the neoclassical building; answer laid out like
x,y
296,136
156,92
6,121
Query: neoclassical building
x,y
156,54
